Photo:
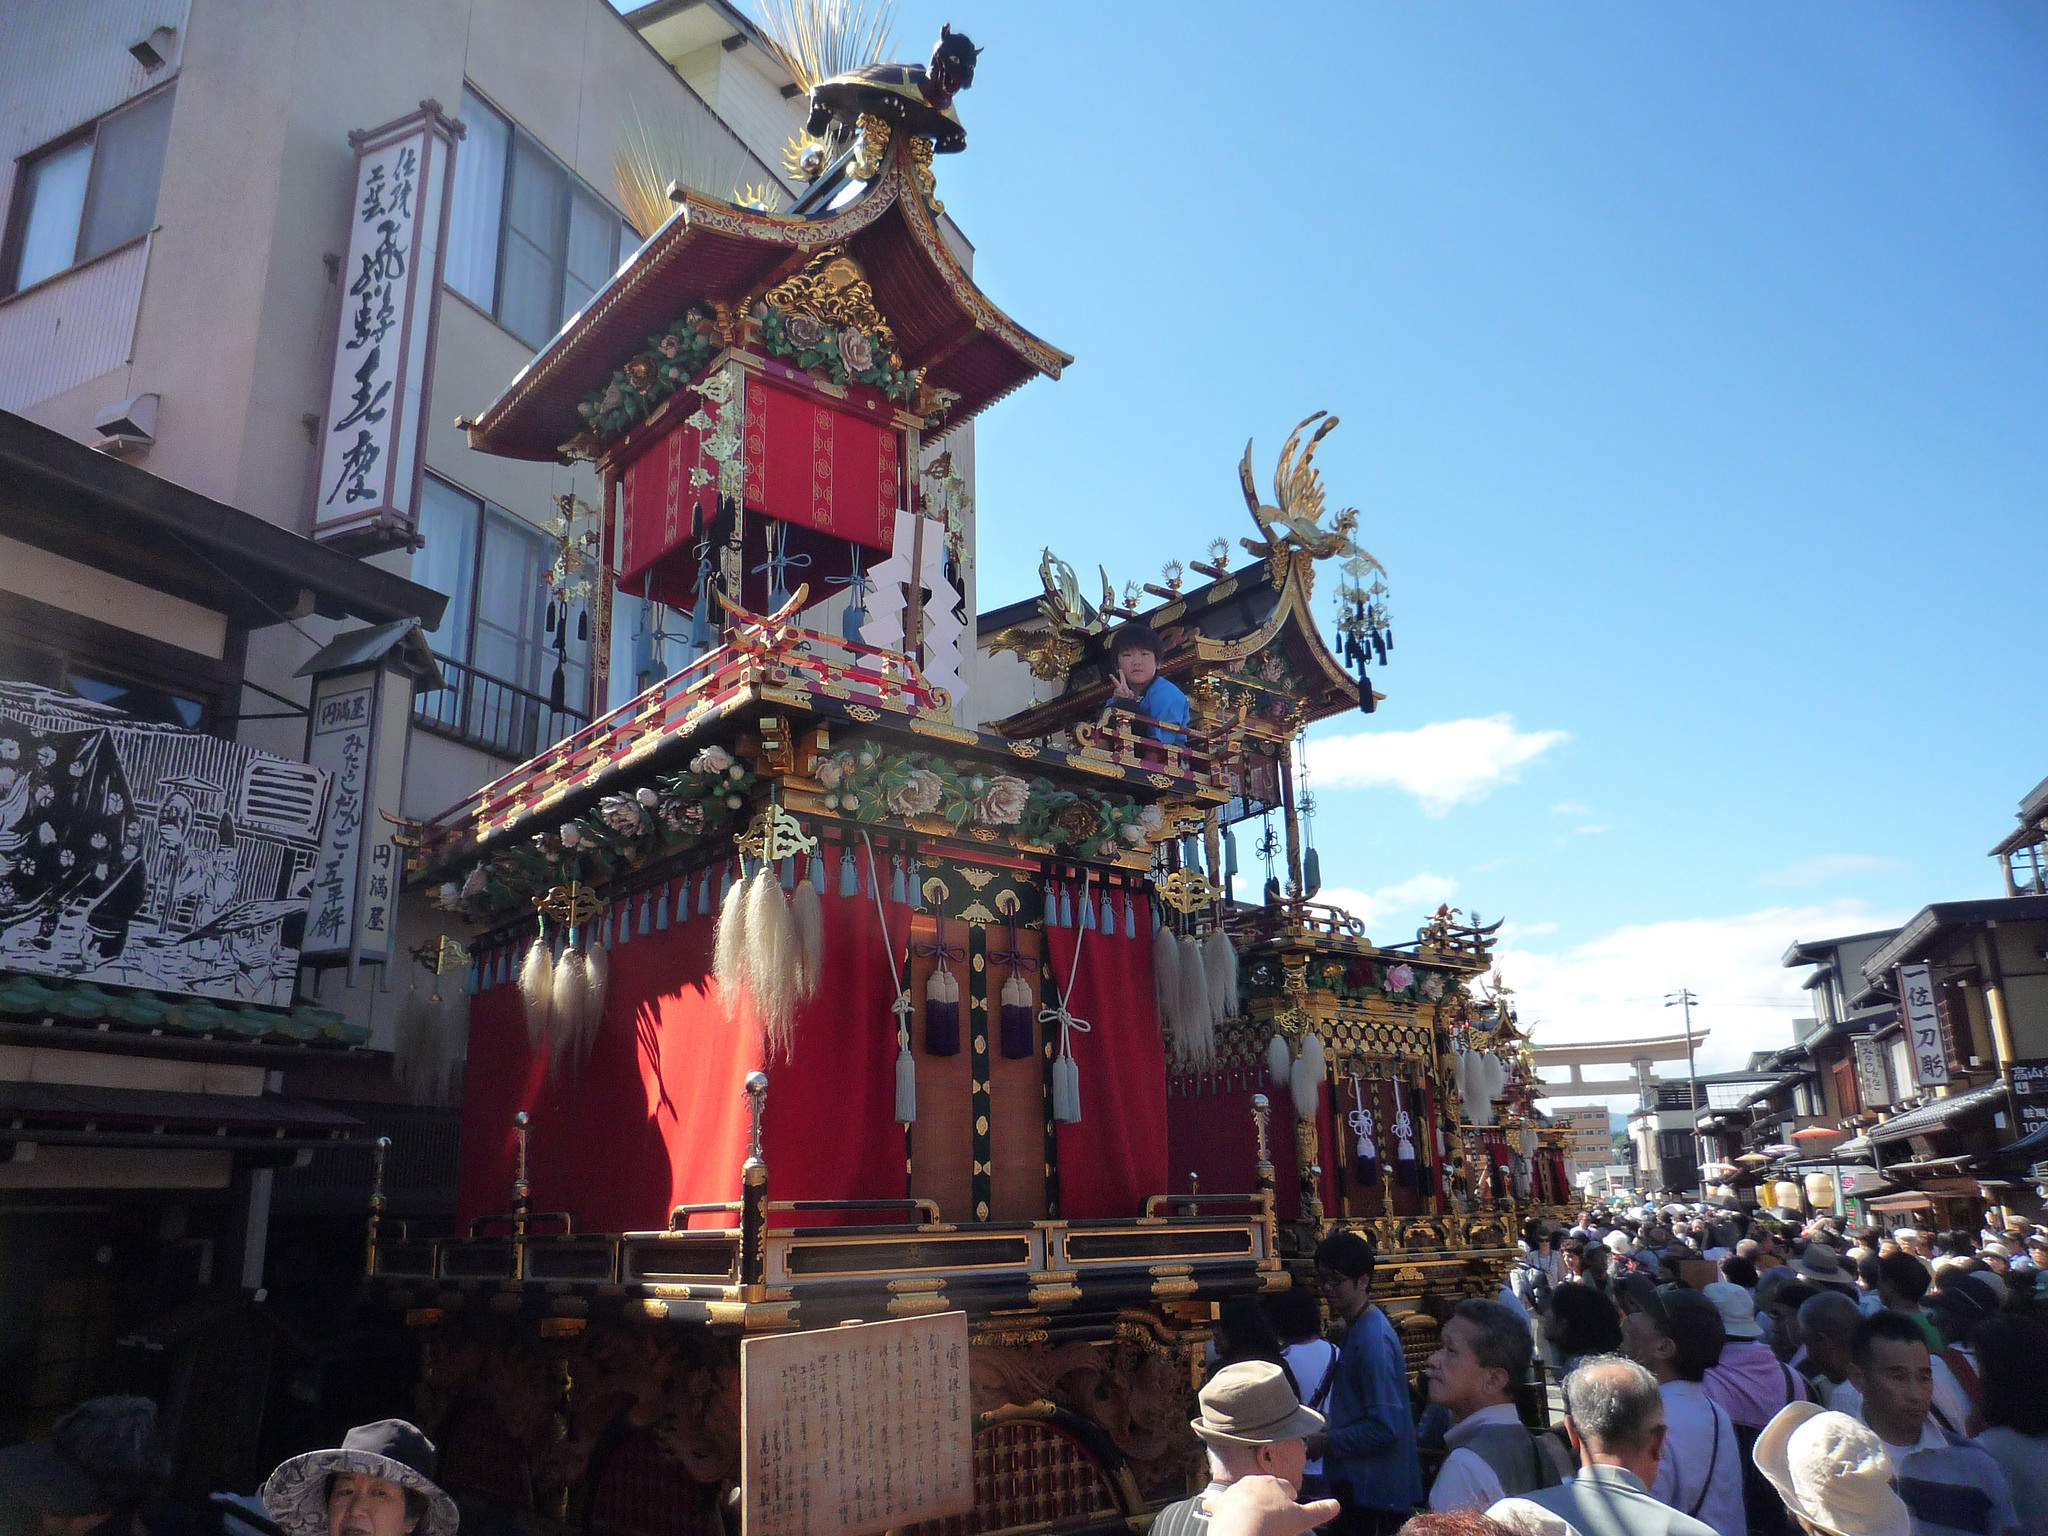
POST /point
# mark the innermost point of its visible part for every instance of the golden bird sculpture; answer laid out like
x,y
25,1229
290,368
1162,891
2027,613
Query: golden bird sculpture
x,y
1295,521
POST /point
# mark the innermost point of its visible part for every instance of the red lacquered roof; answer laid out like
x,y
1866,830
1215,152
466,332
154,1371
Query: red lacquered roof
x,y
713,251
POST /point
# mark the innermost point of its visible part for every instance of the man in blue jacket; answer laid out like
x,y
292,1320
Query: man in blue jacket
x,y
1368,1450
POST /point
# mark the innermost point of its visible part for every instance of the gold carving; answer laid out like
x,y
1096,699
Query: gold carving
x,y
870,150
977,877
833,288
1024,748
863,714
921,171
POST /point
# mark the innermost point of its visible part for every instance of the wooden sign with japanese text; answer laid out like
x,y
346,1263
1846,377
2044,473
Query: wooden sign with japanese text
x,y
370,464
846,1431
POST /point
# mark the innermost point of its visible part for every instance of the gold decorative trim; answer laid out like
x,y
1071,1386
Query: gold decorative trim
x,y
833,288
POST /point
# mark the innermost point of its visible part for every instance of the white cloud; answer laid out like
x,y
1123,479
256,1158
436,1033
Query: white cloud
x,y
1442,764
1592,831
1826,867
1414,899
1613,987
1571,808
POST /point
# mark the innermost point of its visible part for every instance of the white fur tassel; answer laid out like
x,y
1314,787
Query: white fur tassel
x,y
535,988
1166,979
729,951
771,960
1306,1081
1194,1027
1279,1061
566,1007
807,916
1219,959
597,976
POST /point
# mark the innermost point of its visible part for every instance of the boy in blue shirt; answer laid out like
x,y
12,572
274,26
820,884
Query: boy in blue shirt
x,y
1136,684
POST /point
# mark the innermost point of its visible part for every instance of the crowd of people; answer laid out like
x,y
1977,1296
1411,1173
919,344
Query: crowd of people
x,y
1720,1377
1719,1374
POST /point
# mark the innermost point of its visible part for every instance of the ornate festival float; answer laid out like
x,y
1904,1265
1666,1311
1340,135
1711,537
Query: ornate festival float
x,y
810,986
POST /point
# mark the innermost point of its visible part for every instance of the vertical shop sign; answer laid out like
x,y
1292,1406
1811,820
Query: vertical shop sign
x,y
1873,1086
1923,1026
367,496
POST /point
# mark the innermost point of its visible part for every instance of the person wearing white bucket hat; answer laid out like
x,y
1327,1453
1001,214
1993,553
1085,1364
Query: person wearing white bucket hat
x,y
1832,1473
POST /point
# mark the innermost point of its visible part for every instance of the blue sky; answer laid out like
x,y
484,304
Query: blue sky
x,y
1691,368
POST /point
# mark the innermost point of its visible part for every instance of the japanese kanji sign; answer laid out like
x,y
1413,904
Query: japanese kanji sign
x,y
1873,1082
846,1431
357,733
370,464
1923,1026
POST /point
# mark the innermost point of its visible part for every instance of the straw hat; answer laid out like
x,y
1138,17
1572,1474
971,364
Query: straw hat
x,y
391,1449
1822,1265
1250,1403
1832,1471
1737,1308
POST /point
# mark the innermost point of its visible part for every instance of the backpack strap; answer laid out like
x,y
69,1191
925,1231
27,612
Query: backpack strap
x,y
1713,1461
1322,1391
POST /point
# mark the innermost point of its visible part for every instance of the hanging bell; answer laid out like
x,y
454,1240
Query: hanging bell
x,y
583,624
1311,872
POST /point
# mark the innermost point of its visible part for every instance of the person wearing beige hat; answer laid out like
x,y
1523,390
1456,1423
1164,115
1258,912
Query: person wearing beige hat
x,y
1832,1472
1252,1425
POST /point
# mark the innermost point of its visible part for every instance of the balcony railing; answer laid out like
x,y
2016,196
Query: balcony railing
x,y
488,712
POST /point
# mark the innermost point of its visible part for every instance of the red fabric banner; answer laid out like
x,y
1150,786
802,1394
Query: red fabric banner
x,y
1116,1155
656,1117
818,464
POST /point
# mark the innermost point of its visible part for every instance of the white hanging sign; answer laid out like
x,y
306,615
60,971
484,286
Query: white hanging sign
x,y
1923,1025
356,718
367,496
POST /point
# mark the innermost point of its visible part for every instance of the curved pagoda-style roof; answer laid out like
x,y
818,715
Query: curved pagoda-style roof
x,y
713,253
1217,628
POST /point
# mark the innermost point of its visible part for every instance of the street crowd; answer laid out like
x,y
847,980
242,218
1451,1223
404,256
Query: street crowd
x,y
1721,1376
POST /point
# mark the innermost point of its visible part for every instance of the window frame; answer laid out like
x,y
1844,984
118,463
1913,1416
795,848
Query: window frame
x,y
18,205
517,135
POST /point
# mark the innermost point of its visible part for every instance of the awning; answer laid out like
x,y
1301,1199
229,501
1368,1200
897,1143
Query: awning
x,y
76,1115
2030,1148
1898,1205
1939,1115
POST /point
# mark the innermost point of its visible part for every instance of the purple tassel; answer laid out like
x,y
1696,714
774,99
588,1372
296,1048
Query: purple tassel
x,y
1017,1020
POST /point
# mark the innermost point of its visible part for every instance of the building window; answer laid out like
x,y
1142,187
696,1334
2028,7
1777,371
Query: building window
x,y
90,193
493,641
531,241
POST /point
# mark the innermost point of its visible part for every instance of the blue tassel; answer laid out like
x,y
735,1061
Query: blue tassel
x,y
605,938
789,873
724,881
1157,917
1066,907
504,965
469,979
818,872
1087,913
646,913
849,873
626,921
661,909
1130,918
899,885
683,899
1108,915
704,893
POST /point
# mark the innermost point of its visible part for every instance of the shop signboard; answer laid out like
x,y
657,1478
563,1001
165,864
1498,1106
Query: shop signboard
x,y
1873,1082
136,854
2030,1093
367,496
1923,1026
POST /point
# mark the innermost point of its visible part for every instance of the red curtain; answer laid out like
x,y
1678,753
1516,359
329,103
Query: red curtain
x,y
817,464
657,1117
1116,1154
660,511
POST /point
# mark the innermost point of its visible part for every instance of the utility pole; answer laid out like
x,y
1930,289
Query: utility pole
x,y
1683,998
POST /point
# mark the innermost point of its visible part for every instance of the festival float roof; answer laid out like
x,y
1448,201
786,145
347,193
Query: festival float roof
x,y
713,253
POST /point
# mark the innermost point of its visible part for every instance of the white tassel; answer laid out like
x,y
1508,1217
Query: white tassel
x,y
1219,959
536,990
1166,978
597,976
807,916
1194,1028
1306,1081
1279,1061
729,950
567,1005
1066,1090
772,960
906,1082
